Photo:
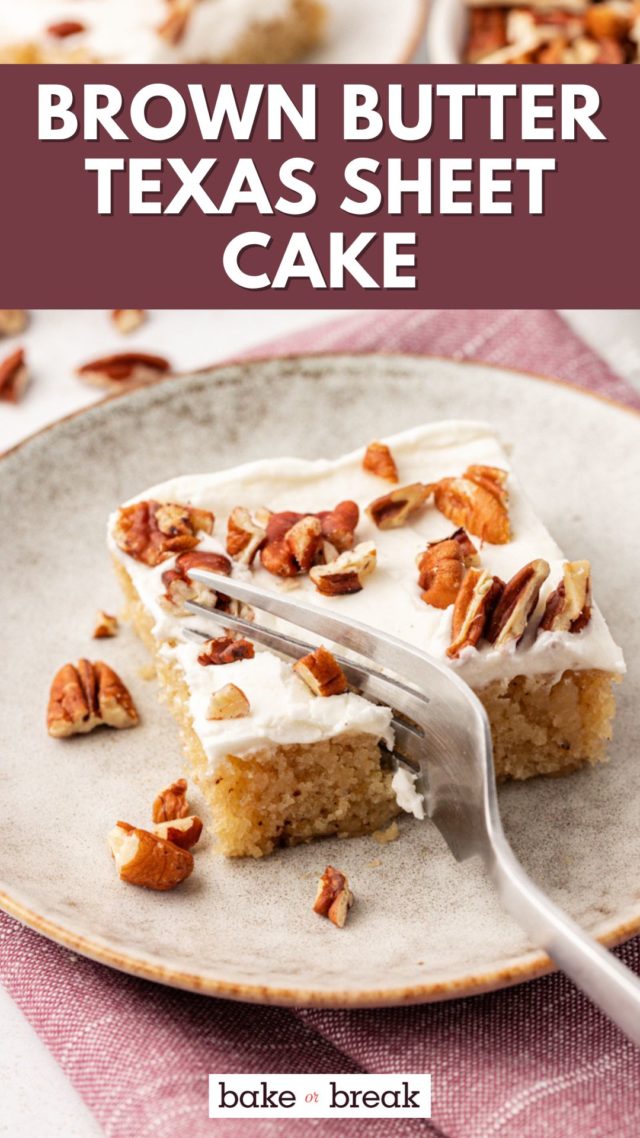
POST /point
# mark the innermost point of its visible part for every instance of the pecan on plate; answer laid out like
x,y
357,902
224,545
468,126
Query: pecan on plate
x,y
105,626
14,377
86,696
148,860
171,803
334,897
184,832
122,370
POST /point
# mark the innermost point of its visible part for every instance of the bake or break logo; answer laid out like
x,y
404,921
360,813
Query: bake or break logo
x,y
319,1096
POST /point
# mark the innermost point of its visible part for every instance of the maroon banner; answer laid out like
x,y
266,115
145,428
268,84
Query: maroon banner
x,y
319,187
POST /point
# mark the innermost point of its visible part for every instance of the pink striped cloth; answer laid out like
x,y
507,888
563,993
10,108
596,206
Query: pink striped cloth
x,y
536,1061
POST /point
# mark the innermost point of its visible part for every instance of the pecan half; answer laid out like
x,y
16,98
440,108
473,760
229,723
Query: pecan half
x,y
105,626
379,460
183,832
128,320
171,803
225,650
64,28
442,568
322,673
517,603
148,860
477,501
228,703
173,27
334,897
393,509
568,607
123,370
13,320
473,609
14,377
86,696
347,573
180,587
152,531
246,533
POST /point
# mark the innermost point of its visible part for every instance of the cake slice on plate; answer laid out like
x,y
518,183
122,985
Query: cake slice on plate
x,y
159,31
428,536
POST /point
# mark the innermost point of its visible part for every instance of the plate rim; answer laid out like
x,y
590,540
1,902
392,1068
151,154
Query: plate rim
x,y
529,966
416,37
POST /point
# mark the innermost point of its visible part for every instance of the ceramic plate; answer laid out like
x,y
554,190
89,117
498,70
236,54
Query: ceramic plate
x,y
373,31
424,927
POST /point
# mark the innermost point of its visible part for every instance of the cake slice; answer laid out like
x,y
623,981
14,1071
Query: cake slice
x,y
427,536
159,31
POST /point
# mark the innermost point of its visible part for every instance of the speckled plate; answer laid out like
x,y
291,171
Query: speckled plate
x,y
373,31
423,927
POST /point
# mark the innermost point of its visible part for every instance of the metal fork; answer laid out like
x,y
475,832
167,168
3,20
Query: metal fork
x,y
452,749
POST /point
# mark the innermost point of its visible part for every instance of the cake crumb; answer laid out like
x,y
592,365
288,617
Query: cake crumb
x,y
375,864
391,834
147,672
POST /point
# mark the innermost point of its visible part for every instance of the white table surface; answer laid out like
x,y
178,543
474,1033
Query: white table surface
x,y
37,1100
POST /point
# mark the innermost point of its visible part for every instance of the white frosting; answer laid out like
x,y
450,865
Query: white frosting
x,y
125,31
282,708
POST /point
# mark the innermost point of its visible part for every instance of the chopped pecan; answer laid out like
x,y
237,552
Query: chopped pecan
x,y
148,860
183,832
128,320
86,696
226,650
568,607
304,540
152,531
14,377
322,673
347,573
473,609
105,626
517,603
13,321
229,702
393,509
180,587
379,460
334,897
442,568
339,525
123,370
64,28
246,533
173,27
477,501
171,803
488,32
277,558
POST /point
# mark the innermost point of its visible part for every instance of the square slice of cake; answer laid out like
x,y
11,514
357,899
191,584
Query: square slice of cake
x,y
427,536
159,31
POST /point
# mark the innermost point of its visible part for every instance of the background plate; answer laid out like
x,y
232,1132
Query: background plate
x,y
424,927
373,31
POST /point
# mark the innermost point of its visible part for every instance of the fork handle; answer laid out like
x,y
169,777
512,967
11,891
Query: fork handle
x,y
600,975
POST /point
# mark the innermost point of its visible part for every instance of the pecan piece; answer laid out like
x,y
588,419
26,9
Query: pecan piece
x,y
304,540
517,603
180,587
152,531
568,607
473,609
183,832
477,501
14,377
606,22
334,897
229,702
148,860
12,321
322,673
488,32
173,27
64,28
128,320
347,573
442,568
393,509
226,650
379,460
339,525
123,370
105,626
246,533
86,696
171,803
277,558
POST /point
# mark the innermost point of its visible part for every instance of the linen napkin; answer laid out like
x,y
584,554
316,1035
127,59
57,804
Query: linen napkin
x,y
535,1061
